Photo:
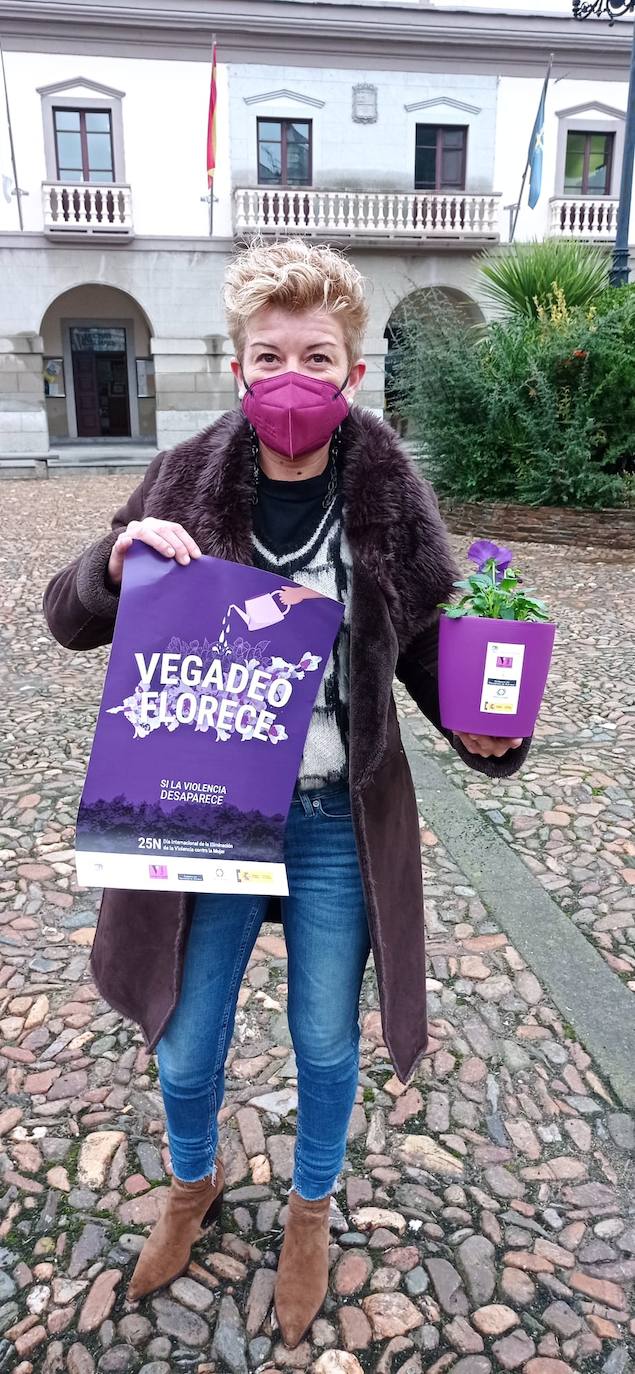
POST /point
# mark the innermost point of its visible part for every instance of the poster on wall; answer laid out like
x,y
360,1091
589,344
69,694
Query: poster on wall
x,y
213,673
145,377
54,377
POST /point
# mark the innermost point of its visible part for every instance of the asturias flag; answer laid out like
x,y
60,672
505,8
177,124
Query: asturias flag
x,y
211,124
536,147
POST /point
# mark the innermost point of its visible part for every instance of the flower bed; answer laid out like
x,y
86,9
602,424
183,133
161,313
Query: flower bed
x,y
613,529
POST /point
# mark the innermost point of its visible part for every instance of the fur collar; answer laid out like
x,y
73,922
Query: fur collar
x,y
390,512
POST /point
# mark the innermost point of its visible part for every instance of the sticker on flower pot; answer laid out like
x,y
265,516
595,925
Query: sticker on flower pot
x,y
502,678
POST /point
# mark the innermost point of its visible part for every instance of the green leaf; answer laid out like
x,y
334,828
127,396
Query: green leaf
x,y
522,278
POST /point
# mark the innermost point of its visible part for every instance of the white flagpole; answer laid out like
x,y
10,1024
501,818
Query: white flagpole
x,y
18,193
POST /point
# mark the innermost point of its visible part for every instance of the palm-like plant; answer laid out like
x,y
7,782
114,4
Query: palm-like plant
x,y
526,277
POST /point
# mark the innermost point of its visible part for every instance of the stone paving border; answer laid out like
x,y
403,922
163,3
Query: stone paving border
x,y
593,1000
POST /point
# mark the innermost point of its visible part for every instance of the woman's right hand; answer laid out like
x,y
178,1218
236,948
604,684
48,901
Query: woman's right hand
x,y
166,537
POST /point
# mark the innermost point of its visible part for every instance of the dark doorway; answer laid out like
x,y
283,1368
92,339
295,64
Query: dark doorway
x,y
100,375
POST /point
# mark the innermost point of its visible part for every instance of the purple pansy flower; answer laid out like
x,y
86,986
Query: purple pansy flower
x,y
483,549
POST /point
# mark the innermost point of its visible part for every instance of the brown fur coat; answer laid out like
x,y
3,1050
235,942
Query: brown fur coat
x,y
402,567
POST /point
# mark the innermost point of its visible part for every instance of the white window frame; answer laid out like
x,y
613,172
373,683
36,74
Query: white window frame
x,y
61,96
592,118
284,104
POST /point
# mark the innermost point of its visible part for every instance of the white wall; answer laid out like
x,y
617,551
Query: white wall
x,y
361,156
165,128
518,99
165,131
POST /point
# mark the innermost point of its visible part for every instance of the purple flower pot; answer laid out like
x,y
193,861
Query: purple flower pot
x,y
492,674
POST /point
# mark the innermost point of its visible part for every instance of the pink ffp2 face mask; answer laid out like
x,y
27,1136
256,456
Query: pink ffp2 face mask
x,y
294,414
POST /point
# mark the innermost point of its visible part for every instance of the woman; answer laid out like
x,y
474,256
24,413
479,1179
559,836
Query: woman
x,y
299,483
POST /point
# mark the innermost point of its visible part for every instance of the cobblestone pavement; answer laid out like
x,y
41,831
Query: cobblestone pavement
x,y
569,813
485,1218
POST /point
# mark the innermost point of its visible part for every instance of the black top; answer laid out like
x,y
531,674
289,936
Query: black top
x,y
287,513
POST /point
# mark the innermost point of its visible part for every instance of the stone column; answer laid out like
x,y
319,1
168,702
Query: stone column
x,y
23,423
194,385
371,392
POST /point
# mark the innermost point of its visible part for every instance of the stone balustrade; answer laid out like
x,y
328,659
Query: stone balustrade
x,y
371,214
87,208
582,217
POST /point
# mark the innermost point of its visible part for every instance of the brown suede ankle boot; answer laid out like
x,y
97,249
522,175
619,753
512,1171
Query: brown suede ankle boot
x,y
166,1253
303,1266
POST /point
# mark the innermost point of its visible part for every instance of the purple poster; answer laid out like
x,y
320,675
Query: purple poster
x,y
213,673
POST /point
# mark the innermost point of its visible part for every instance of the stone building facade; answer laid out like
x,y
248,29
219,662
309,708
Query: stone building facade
x,y
398,131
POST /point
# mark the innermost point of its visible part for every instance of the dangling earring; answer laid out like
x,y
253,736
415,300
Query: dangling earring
x,y
255,455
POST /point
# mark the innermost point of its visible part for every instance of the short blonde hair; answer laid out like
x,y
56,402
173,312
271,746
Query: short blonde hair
x,y
296,275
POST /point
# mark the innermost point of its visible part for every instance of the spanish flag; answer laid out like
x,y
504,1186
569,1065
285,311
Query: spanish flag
x,y
211,124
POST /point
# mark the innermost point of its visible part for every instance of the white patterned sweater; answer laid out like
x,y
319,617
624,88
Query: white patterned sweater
x,y
323,563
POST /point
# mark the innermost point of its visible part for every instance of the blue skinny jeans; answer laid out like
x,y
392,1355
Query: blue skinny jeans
x,y
326,930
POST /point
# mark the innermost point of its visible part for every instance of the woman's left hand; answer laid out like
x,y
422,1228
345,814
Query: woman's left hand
x,y
488,746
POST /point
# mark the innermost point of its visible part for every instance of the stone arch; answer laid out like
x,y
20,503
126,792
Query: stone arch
x,y
98,331
416,305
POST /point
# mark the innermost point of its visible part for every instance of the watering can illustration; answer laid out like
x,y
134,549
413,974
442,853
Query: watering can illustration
x,y
261,611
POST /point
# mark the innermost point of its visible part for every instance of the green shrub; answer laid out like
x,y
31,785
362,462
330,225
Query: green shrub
x,y
540,411
523,278
614,297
